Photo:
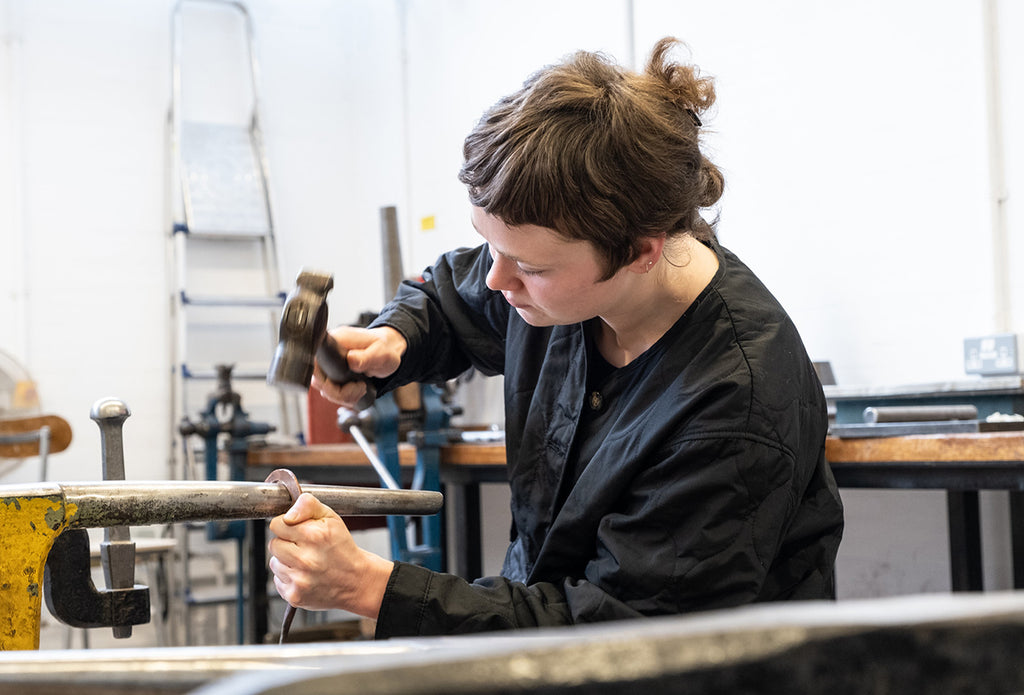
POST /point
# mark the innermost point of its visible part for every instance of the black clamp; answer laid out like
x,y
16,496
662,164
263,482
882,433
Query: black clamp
x,y
72,596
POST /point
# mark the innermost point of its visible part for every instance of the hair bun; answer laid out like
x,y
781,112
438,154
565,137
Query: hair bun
x,y
712,183
682,82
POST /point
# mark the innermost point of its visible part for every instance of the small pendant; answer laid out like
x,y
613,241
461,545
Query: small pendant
x,y
595,400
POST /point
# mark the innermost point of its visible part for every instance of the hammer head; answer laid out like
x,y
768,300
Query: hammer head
x,y
303,327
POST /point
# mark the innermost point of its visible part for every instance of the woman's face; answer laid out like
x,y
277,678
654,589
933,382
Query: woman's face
x,y
548,280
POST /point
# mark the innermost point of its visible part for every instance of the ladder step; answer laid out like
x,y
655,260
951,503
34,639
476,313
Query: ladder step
x,y
220,234
223,177
255,302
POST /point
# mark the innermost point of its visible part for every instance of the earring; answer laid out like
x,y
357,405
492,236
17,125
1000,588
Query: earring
x,y
650,264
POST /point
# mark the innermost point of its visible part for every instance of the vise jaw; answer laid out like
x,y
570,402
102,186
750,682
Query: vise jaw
x,y
38,525
45,551
72,596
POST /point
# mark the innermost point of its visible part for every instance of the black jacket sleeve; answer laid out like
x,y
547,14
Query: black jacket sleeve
x,y
450,320
421,602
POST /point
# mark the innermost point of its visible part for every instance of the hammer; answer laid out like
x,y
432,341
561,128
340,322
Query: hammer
x,y
303,337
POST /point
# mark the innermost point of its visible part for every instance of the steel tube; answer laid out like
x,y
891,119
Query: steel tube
x,y
920,413
112,503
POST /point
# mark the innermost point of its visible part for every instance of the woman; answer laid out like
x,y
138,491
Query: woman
x,y
665,428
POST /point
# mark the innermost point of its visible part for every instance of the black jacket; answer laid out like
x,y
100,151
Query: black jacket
x,y
700,482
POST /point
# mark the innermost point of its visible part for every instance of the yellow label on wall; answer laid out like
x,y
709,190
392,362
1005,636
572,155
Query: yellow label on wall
x,y
427,223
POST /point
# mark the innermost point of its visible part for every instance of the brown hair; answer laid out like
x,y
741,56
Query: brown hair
x,y
598,153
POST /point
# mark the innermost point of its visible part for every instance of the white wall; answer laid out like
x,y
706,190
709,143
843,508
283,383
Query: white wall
x,y
85,307
11,258
1009,17
84,292
853,139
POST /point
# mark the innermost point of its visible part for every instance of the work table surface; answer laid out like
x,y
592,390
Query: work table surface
x,y
963,447
352,455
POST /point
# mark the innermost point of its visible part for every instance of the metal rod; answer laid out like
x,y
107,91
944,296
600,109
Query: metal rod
x,y
382,471
391,251
920,413
102,504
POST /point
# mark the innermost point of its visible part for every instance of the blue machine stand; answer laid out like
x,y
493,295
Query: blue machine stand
x,y
431,433
224,415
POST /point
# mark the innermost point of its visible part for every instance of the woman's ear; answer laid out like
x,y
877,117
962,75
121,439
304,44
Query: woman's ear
x,y
650,254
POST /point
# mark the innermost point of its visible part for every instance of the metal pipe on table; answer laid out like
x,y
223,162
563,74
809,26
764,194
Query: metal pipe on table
x,y
919,413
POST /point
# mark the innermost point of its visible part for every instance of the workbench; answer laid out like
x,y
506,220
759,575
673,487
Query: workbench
x,y
960,464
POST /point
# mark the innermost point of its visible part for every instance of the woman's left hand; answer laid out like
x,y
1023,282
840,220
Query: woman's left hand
x,y
317,564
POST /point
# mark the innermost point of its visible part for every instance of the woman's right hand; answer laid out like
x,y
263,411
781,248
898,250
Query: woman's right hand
x,y
375,352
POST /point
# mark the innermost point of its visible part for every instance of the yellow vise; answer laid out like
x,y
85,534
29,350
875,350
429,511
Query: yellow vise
x,y
33,516
29,522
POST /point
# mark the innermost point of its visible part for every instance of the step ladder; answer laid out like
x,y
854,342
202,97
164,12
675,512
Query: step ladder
x,y
226,295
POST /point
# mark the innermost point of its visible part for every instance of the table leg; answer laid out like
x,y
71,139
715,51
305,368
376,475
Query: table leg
x,y
964,540
1017,537
259,603
465,537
